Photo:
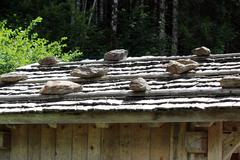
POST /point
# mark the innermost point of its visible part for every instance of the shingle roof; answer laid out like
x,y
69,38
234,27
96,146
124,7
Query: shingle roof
x,y
198,89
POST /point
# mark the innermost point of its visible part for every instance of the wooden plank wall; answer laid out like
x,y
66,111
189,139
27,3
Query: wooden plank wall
x,y
86,142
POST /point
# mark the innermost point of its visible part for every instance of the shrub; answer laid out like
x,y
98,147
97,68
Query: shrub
x,y
22,46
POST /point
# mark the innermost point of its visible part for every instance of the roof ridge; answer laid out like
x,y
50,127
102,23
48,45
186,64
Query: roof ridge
x,y
142,58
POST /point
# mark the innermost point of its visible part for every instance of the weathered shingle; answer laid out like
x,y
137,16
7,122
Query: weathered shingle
x,y
199,89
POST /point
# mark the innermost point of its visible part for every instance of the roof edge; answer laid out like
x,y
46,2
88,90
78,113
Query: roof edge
x,y
123,117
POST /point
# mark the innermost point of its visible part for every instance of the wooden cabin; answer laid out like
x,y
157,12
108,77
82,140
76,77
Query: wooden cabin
x,y
183,117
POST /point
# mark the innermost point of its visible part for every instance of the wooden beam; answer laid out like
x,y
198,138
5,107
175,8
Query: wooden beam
x,y
215,138
122,117
230,144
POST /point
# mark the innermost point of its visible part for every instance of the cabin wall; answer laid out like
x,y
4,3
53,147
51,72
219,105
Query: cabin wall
x,y
87,142
168,141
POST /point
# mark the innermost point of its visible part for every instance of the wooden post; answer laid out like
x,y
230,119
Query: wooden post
x,y
177,146
215,141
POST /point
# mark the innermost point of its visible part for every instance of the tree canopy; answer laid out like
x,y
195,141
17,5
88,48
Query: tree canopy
x,y
156,27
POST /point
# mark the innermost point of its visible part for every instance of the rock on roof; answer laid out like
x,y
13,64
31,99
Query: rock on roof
x,y
199,89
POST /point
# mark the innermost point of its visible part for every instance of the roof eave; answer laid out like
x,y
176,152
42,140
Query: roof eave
x,y
179,115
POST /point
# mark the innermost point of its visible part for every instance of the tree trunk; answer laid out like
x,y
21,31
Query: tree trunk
x,y
92,12
142,6
78,5
155,9
72,9
96,12
114,23
161,19
84,7
175,27
101,9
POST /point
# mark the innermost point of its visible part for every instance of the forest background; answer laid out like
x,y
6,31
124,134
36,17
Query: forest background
x,y
144,27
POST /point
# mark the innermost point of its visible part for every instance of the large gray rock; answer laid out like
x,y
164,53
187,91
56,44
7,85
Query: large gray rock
x,y
48,61
88,72
139,85
116,55
201,51
181,66
60,87
230,82
12,77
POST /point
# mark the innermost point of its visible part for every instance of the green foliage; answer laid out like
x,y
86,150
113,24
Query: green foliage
x,y
22,46
214,24
209,25
59,21
87,36
139,33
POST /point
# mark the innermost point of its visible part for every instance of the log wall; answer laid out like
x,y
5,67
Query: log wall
x,y
87,142
167,141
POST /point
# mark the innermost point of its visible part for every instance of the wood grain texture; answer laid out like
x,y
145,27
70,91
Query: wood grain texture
x,y
177,146
196,142
94,143
160,143
200,157
215,140
230,145
5,153
140,142
34,142
182,153
110,148
19,143
48,143
125,141
64,142
80,142
173,92
118,142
